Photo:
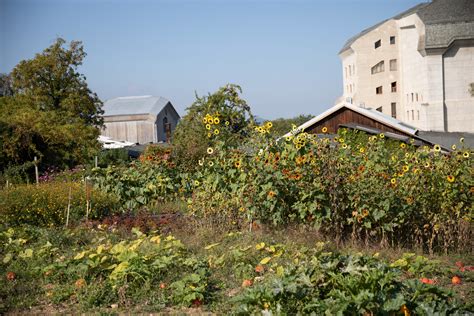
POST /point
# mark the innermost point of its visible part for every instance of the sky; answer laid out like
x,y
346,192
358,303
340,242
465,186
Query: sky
x,y
283,53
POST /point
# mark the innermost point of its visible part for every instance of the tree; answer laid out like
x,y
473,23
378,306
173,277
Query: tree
x,y
193,134
52,113
52,83
6,88
282,126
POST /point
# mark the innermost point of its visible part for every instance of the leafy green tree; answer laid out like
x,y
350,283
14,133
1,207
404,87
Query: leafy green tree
x,y
231,118
52,114
6,88
281,126
52,83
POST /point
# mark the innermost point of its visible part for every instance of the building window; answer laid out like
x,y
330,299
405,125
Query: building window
x,y
380,67
350,70
412,97
378,90
354,69
378,44
394,110
418,113
393,64
417,97
379,109
408,115
412,115
394,86
392,40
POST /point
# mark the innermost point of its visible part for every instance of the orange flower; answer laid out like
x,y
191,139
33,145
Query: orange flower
x,y
271,194
259,268
247,283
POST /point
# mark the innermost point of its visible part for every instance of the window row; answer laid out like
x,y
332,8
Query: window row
x,y
351,68
393,109
393,87
412,116
414,97
378,43
380,66
350,88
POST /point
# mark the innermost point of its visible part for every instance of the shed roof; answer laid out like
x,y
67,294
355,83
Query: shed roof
x,y
445,21
368,112
145,104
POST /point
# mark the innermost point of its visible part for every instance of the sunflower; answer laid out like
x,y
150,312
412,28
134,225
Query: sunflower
x,y
324,129
406,168
298,176
437,148
461,140
393,181
238,164
362,150
227,123
268,125
344,146
465,154
400,174
453,147
298,146
403,145
209,135
208,126
210,151
450,178
288,138
216,132
196,182
365,212
204,120
271,194
382,135
216,120
201,162
210,163
341,140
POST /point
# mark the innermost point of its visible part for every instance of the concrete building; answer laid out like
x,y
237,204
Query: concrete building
x,y
417,66
140,119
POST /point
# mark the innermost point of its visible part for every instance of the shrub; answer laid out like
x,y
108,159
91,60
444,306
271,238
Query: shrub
x,y
46,204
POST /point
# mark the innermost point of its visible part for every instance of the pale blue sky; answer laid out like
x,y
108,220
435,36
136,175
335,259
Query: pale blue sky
x,y
282,53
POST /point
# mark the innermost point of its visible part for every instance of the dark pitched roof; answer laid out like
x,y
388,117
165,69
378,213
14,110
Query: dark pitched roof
x,y
445,21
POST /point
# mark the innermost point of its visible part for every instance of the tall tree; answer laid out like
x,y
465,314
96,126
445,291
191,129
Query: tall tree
x,y
6,88
52,113
52,82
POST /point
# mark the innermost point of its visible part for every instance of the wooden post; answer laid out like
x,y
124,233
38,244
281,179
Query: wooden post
x,y
96,161
68,206
7,185
36,170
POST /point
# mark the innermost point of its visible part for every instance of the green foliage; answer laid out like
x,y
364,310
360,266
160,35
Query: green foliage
x,y
281,126
91,269
226,117
52,115
115,156
46,204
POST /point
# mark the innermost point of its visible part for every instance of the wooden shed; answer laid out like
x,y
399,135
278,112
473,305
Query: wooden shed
x,y
349,115
139,119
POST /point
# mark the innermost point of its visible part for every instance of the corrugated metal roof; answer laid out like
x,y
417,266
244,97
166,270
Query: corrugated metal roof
x,y
146,104
371,113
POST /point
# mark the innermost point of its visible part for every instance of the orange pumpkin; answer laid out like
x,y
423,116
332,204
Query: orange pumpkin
x,y
456,280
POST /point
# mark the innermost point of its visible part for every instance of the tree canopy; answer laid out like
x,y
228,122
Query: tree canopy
x,y
231,117
52,113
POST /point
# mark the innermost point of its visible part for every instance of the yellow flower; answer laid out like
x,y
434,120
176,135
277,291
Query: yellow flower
x,y
403,145
210,150
208,126
427,164
209,135
227,123
201,162
298,146
393,181
238,164
453,147
382,135
341,140
465,154
268,125
196,182
216,132
365,212
271,194
288,138
344,146
204,120
210,163
216,120
406,168
461,140
437,147
324,129
362,150
450,178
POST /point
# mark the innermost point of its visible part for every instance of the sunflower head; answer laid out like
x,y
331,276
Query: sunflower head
x,y
437,148
450,178
210,151
465,154
393,181
324,129
403,145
